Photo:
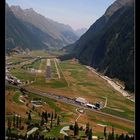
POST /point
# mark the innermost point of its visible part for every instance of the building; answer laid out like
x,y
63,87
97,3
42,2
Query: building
x,y
81,101
91,106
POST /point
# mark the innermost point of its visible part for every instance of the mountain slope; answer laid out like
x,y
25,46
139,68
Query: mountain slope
x,y
18,35
108,45
60,34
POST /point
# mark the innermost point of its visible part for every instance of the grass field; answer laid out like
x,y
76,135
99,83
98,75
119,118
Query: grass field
x,y
85,84
22,74
16,59
35,64
16,97
55,132
81,83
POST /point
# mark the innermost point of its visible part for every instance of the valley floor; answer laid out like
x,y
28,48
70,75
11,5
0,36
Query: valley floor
x,y
68,80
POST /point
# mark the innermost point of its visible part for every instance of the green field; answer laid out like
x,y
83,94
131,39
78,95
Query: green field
x,y
22,74
95,86
81,83
35,64
53,70
55,132
16,97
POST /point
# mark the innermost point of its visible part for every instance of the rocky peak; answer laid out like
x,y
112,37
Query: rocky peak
x,y
16,8
29,11
117,5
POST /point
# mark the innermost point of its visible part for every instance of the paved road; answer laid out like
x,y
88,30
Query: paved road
x,y
72,102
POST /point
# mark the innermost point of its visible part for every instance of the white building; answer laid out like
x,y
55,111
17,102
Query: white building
x,y
91,106
81,100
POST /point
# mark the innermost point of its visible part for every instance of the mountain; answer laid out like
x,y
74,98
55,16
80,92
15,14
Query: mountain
x,y
54,34
18,35
80,31
108,45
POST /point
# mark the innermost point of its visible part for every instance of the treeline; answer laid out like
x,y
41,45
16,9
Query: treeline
x,y
51,120
47,122
67,56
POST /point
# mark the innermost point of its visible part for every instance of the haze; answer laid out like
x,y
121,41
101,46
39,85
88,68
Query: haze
x,y
76,13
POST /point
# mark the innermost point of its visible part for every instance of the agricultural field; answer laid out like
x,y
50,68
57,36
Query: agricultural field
x,y
69,79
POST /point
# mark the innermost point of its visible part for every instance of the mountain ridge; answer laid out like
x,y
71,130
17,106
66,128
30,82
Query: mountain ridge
x,y
108,45
18,35
27,26
58,31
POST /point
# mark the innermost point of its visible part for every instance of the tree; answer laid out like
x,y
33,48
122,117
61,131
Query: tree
x,y
81,128
71,127
58,120
33,108
55,115
109,136
67,138
87,129
29,116
30,137
46,117
51,120
52,116
132,138
9,123
42,121
8,127
112,130
42,118
127,137
117,136
76,129
51,124
105,132
17,121
121,137
112,133
49,115
90,134
43,114
14,119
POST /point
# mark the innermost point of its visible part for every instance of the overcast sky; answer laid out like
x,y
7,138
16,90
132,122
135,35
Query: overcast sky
x,y
76,13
